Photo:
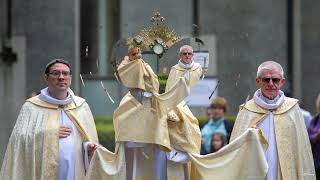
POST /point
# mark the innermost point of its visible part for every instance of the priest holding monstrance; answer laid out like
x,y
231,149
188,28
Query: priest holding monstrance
x,y
141,130
140,118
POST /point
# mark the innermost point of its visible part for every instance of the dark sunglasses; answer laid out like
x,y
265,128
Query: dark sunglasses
x,y
274,80
187,53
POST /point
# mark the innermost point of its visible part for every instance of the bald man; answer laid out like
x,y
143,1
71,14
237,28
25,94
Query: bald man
x,y
289,153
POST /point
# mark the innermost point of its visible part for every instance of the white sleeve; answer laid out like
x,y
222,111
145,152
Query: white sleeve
x,y
134,144
85,154
178,156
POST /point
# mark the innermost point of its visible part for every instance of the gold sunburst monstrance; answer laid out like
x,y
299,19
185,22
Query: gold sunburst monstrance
x,y
155,36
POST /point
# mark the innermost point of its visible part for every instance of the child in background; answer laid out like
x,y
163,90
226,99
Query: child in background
x,y
218,141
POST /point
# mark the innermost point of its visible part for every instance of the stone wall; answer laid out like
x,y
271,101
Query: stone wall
x,y
51,31
247,33
310,54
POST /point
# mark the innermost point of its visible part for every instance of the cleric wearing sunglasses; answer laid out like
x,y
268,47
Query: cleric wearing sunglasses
x,y
288,153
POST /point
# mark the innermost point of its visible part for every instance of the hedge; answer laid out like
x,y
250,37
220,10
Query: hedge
x,y
105,131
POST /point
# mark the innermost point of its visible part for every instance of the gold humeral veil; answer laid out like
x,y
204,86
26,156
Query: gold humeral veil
x,y
33,148
294,150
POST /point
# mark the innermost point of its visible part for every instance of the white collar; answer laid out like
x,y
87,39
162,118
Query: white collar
x,y
267,103
45,96
185,66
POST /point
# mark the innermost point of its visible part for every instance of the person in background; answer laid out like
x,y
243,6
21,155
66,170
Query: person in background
x,y
218,141
203,151
183,126
306,116
314,135
215,123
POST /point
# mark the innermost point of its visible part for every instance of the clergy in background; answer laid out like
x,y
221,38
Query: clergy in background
x,y
183,126
184,131
288,155
47,139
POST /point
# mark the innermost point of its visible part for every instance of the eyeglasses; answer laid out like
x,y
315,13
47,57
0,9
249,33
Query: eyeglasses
x,y
187,53
274,80
57,74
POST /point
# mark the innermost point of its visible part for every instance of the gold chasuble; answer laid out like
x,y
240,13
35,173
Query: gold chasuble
x,y
294,151
33,149
184,129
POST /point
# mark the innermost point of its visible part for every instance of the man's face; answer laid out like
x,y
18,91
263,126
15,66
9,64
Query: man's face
x,y
59,78
186,55
134,54
217,113
270,82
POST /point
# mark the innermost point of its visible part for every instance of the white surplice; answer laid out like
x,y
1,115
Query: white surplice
x,y
267,127
66,145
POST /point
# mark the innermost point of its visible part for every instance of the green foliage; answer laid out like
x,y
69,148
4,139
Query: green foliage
x,y
162,81
162,77
203,119
105,131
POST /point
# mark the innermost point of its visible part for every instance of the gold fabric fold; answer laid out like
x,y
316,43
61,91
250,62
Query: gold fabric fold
x,y
228,163
138,74
294,150
107,165
224,164
33,148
